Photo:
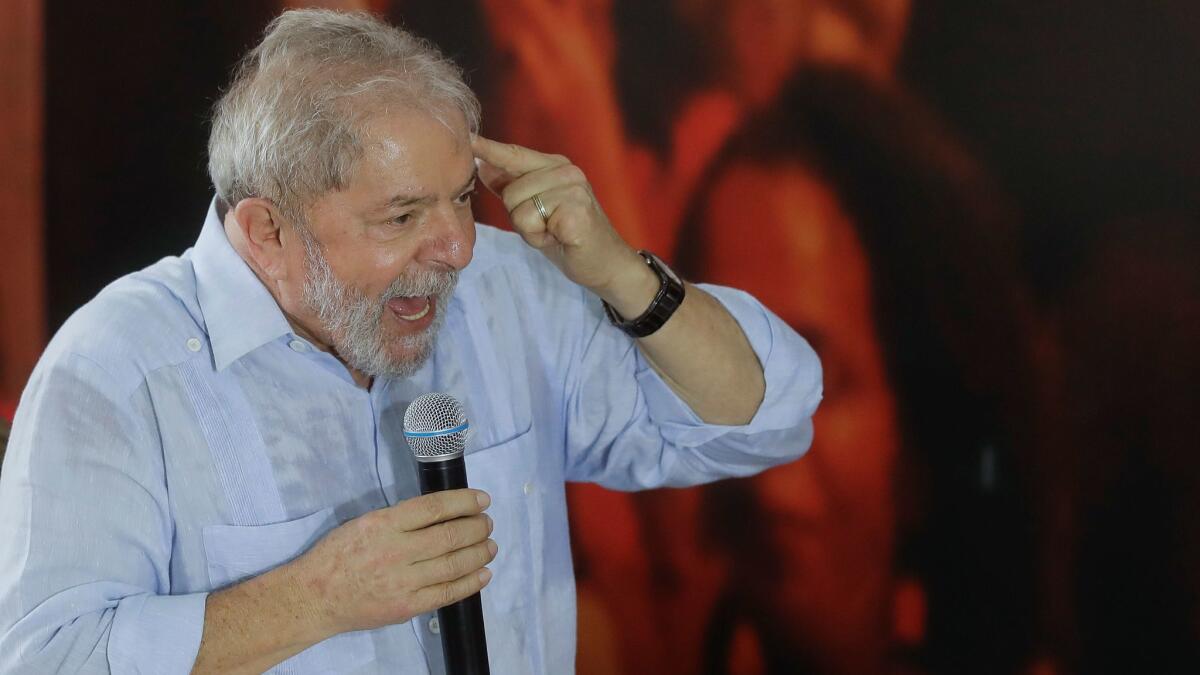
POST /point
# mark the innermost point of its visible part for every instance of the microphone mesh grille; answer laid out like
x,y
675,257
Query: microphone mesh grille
x,y
435,414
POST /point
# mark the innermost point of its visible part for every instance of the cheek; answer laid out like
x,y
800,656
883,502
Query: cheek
x,y
290,274
378,269
384,261
295,266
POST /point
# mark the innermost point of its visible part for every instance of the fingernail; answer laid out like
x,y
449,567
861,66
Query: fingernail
x,y
491,523
485,575
483,498
492,548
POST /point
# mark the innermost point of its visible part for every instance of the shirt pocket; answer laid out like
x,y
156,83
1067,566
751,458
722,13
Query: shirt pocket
x,y
236,552
500,470
506,471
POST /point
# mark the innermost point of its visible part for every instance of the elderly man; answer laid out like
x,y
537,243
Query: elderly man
x,y
208,472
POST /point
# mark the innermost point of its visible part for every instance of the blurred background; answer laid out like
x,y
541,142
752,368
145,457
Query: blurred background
x,y
982,214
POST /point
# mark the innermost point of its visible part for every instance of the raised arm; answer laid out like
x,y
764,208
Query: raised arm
x,y
701,352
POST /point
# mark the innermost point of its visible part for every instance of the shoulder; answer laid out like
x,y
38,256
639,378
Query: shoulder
x,y
137,324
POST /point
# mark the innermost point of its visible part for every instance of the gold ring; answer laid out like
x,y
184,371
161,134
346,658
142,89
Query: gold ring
x,y
537,202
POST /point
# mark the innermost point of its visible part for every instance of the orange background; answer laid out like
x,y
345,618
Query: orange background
x,y
982,214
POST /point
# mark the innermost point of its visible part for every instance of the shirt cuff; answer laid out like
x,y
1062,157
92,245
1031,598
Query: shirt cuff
x,y
156,633
791,369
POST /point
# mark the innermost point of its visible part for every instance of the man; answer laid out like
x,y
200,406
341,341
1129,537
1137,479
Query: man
x,y
207,470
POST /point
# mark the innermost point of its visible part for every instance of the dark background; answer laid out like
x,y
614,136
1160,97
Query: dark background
x,y
1083,112
1086,113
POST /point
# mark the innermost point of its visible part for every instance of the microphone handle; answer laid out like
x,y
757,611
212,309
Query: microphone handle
x,y
464,644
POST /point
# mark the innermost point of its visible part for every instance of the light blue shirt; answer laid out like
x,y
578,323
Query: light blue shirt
x,y
177,436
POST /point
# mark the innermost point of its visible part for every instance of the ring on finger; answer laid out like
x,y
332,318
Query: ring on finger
x,y
541,208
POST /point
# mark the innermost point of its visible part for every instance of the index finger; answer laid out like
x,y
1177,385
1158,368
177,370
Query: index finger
x,y
421,512
511,158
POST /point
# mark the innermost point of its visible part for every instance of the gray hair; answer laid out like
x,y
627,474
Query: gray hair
x,y
287,128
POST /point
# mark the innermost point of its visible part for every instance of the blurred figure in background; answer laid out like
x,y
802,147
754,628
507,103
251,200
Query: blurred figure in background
x,y
643,93
875,233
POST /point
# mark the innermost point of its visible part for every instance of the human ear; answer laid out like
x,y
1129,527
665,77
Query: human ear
x,y
261,223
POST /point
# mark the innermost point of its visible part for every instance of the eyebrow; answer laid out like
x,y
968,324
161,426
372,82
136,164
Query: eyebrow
x,y
408,200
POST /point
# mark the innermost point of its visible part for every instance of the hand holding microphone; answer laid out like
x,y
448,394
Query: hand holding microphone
x,y
390,565
436,428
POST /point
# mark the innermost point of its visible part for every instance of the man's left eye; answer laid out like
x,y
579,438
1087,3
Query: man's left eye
x,y
466,197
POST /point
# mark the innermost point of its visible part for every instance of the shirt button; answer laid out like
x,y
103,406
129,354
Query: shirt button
x,y
298,346
193,344
528,488
434,626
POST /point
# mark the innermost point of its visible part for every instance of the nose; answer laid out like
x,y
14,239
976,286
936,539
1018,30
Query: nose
x,y
451,239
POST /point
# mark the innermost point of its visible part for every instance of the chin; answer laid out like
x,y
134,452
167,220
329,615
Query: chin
x,y
406,355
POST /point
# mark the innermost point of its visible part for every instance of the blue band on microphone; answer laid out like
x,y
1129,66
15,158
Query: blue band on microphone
x,y
431,434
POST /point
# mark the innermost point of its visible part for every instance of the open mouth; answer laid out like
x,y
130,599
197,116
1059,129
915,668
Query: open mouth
x,y
411,309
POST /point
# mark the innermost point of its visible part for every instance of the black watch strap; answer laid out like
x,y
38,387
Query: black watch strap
x,y
666,301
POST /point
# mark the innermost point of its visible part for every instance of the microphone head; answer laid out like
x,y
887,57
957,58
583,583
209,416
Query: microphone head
x,y
436,427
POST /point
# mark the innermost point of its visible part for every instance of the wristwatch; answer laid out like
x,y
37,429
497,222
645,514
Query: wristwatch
x,y
666,301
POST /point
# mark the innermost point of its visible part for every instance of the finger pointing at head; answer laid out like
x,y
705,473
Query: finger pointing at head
x,y
505,162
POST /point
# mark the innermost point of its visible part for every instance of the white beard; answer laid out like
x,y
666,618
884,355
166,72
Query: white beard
x,y
355,321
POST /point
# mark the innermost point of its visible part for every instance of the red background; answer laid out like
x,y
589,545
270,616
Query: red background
x,y
983,214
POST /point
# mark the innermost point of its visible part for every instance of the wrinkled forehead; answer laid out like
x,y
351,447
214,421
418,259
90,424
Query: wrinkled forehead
x,y
408,154
393,127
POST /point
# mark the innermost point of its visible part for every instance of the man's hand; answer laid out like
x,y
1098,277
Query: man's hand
x,y
701,352
577,237
390,565
381,568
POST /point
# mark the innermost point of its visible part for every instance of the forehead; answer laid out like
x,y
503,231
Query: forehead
x,y
408,148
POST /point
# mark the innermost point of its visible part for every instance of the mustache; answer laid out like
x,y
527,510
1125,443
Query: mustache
x,y
418,283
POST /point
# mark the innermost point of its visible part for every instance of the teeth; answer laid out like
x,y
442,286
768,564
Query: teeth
x,y
418,315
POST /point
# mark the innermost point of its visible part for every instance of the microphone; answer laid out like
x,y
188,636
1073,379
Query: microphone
x,y
436,428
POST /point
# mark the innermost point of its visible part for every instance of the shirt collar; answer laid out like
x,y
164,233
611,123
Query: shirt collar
x,y
239,313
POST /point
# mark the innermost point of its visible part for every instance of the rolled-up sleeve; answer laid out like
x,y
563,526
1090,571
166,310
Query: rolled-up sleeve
x,y
86,533
628,430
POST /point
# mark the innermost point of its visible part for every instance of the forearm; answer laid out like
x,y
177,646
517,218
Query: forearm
x,y
253,625
701,352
